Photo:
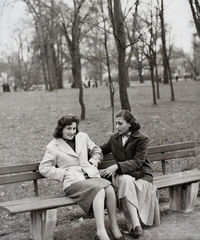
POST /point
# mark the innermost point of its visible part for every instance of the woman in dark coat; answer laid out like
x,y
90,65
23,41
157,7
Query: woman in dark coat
x,y
132,174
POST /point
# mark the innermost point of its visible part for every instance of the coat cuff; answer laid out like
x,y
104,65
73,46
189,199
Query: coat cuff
x,y
119,170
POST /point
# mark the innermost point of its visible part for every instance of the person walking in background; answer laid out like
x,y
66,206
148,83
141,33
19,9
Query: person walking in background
x,y
72,158
132,174
14,85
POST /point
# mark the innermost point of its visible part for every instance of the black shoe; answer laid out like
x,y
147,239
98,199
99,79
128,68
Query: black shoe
x,y
120,238
137,232
96,237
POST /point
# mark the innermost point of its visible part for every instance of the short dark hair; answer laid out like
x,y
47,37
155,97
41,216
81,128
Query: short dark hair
x,y
129,118
64,121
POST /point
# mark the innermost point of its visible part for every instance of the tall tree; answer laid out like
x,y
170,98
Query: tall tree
x,y
73,42
195,8
117,21
164,51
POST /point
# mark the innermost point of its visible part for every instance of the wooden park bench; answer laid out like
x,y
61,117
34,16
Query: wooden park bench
x,y
183,188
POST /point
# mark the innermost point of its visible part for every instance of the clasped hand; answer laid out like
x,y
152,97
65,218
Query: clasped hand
x,y
107,172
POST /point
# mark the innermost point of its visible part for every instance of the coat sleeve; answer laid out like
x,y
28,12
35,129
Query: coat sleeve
x,y
106,147
140,157
95,153
47,167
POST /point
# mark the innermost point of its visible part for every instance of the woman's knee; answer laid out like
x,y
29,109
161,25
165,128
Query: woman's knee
x,y
125,179
101,194
110,192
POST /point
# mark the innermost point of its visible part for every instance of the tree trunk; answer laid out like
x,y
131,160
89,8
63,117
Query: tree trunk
x,y
171,84
157,82
195,14
120,40
164,51
153,82
76,71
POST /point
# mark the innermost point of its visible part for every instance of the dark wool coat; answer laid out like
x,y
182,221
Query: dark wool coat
x,y
131,158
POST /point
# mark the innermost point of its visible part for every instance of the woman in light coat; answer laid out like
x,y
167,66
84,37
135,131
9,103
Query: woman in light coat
x,y
72,158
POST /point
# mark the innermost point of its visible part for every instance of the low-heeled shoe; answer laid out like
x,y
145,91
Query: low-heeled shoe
x,y
137,232
120,238
97,238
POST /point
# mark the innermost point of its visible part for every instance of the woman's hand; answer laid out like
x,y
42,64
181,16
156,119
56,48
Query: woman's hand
x,y
106,173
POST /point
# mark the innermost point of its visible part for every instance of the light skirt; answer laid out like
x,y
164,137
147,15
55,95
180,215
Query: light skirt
x,y
142,194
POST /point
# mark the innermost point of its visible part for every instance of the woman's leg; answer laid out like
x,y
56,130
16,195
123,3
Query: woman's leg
x,y
111,205
126,213
98,208
130,212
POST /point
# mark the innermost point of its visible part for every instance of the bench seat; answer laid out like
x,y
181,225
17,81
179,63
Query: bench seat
x,y
36,203
174,179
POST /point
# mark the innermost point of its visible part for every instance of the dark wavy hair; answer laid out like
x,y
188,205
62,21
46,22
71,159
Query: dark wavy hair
x,y
129,118
64,121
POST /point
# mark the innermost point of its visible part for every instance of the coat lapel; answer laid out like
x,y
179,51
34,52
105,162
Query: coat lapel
x,y
134,134
118,141
64,147
79,143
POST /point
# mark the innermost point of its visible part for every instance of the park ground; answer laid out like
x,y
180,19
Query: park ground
x,y
27,121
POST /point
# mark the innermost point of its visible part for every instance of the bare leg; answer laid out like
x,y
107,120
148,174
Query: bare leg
x,y
98,208
130,213
126,214
111,205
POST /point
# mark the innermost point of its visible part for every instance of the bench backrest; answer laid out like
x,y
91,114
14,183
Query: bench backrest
x,y
161,153
29,171
21,173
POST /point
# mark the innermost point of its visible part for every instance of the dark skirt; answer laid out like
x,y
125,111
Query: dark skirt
x,y
84,192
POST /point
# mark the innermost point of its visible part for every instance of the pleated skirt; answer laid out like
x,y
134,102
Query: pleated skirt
x,y
142,194
84,192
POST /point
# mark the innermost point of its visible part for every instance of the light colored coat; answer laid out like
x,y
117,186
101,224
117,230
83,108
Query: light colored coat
x,y
61,163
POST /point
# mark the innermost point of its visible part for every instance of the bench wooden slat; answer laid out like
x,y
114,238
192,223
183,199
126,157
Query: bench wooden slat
x,y
26,167
171,147
172,155
20,177
29,200
176,174
177,180
108,159
38,204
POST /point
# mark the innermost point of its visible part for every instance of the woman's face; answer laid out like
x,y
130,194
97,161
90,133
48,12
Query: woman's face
x,y
69,131
121,125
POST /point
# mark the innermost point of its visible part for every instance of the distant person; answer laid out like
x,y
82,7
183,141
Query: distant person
x,y
176,78
4,87
96,84
73,85
25,86
132,174
88,83
72,158
14,87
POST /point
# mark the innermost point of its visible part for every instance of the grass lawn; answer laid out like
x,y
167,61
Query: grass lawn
x,y
28,119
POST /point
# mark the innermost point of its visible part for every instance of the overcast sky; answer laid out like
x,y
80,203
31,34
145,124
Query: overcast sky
x,y
177,14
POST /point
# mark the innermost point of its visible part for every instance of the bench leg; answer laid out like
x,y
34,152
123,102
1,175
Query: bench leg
x,y
43,224
183,197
